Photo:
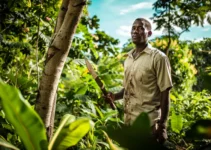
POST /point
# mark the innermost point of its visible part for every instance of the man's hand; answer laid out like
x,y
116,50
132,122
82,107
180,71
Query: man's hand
x,y
161,133
109,97
113,97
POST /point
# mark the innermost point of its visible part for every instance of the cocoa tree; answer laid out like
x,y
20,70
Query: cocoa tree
x,y
68,18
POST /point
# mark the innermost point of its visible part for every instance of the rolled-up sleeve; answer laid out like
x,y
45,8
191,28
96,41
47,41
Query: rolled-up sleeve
x,y
163,73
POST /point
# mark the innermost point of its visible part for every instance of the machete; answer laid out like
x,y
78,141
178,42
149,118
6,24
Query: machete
x,y
99,82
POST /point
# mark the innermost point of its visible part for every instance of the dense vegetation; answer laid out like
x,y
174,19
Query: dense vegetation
x,y
26,28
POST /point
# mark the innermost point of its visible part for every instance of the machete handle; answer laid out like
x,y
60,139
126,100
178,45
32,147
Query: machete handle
x,y
112,105
101,85
110,100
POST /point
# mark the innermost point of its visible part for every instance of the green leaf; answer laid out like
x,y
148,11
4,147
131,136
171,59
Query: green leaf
x,y
176,122
4,143
99,112
95,53
25,120
66,120
70,133
135,136
82,90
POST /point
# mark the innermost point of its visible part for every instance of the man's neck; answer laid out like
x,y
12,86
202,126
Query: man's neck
x,y
140,47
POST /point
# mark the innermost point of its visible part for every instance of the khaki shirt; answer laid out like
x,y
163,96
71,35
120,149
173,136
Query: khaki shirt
x,y
145,77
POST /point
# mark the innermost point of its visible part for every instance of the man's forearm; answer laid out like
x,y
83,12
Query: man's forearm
x,y
165,104
119,95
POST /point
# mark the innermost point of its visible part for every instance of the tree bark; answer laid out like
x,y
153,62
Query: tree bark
x,y
59,21
57,53
61,15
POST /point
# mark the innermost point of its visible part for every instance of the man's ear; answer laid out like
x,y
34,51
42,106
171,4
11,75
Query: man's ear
x,y
149,33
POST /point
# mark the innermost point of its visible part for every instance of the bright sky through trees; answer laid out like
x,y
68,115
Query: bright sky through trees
x,y
117,16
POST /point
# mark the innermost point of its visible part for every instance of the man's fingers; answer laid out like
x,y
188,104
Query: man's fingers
x,y
109,95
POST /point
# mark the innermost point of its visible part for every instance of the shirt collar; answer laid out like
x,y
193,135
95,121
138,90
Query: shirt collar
x,y
147,50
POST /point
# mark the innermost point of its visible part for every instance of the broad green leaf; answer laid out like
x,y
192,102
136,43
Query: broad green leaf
x,y
66,121
134,136
4,143
25,120
176,122
71,134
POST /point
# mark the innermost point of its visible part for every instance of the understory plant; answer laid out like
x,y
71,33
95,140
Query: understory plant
x,y
30,128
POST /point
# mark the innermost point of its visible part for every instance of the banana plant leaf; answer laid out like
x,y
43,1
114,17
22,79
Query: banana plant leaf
x,y
25,120
70,132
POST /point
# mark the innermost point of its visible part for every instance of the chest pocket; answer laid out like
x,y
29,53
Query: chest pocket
x,y
147,75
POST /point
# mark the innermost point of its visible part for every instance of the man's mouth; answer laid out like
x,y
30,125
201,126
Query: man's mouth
x,y
134,36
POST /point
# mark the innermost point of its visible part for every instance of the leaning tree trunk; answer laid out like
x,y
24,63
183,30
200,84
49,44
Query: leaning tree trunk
x,y
67,21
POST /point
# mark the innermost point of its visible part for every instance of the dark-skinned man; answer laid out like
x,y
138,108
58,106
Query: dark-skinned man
x,y
147,81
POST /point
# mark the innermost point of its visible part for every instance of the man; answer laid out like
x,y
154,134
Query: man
x,y
147,81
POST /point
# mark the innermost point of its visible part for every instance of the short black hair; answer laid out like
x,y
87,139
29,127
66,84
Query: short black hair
x,y
146,23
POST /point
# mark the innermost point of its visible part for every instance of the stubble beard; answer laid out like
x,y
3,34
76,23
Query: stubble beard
x,y
142,41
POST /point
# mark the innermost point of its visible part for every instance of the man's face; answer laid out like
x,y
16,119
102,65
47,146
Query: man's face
x,y
139,32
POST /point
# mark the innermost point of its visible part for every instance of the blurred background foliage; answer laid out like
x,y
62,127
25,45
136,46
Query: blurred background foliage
x,y
26,28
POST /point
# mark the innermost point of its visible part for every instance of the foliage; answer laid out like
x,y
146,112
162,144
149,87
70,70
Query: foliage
x,y
30,128
200,129
22,52
22,24
91,41
84,97
189,61
183,72
180,13
176,122
21,57
135,136
18,111
6,144
202,62
69,132
22,49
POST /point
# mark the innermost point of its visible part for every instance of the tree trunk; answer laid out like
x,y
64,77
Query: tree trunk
x,y
67,21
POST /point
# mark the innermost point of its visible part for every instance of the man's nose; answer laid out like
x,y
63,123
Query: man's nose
x,y
135,30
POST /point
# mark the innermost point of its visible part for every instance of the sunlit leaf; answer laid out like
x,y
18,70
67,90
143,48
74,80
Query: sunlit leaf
x,y
70,133
66,121
25,120
176,122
